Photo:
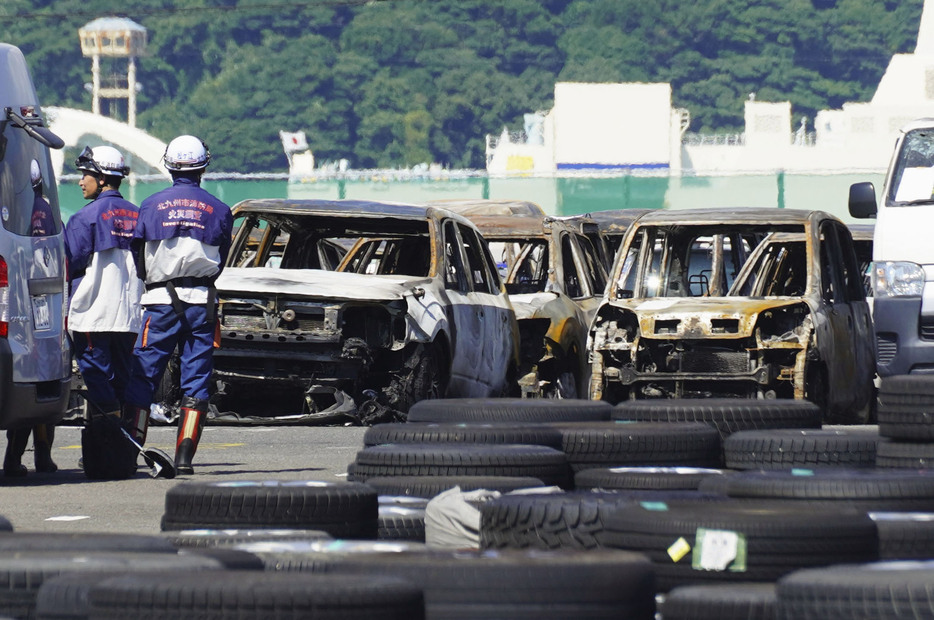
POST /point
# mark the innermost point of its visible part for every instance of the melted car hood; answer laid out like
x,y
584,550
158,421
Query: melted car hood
x,y
528,305
703,316
315,283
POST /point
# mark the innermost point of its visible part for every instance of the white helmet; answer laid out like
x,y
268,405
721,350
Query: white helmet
x,y
104,160
186,153
35,174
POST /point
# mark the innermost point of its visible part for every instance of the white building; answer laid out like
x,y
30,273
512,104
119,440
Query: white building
x,y
633,128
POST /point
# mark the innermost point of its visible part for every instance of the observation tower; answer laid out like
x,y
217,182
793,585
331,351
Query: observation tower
x,y
116,38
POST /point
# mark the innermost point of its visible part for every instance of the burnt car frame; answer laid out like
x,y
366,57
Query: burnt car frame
x,y
749,302
415,309
555,280
607,229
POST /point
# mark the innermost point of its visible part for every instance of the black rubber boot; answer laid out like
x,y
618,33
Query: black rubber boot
x,y
42,437
190,425
136,421
16,440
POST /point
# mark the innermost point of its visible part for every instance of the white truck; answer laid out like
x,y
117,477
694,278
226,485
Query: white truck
x,y
902,273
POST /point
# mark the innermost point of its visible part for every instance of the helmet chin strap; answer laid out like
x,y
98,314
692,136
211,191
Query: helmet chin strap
x,y
101,186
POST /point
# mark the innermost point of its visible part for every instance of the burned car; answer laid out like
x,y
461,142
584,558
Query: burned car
x,y
555,281
750,303
415,309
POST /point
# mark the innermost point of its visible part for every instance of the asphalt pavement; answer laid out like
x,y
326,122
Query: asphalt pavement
x,y
66,501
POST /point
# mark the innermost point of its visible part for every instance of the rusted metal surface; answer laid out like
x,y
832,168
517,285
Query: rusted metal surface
x,y
786,328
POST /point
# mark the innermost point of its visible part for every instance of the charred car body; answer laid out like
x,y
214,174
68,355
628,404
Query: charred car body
x,y
555,280
755,303
415,309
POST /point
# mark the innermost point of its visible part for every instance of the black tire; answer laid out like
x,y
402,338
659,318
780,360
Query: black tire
x,y
783,449
878,590
727,415
541,462
210,538
342,509
429,486
547,521
401,523
608,444
245,595
892,454
643,478
735,601
559,520
22,573
486,433
521,585
90,541
5,525
770,539
905,535
319,556
906,407
509,410
863,489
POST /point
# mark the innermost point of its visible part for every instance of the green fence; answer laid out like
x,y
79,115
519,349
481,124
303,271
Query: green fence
x,y
557,195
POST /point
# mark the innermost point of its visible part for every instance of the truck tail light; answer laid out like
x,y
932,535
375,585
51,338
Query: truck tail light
x,y
4,299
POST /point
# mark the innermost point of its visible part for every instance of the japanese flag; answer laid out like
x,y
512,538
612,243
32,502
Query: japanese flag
x,y
293,142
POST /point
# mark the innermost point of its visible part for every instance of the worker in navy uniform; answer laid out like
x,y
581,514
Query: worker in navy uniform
x,y
180,246
104,313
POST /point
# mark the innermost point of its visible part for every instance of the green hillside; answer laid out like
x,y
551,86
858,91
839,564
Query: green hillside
x,y
393,83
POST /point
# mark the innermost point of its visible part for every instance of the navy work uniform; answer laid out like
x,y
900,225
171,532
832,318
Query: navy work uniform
x,y
181,243
104,311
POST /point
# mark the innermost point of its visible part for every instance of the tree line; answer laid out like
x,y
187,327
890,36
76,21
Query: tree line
x,y
393,83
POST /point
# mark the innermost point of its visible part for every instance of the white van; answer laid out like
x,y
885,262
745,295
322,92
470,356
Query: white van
x,y
35,357
902,275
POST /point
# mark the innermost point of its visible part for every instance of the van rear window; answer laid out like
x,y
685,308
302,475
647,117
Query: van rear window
x,y
26,209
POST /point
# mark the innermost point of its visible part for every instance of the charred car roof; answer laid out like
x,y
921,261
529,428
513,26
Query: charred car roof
x,y
340,208
738,215
481,206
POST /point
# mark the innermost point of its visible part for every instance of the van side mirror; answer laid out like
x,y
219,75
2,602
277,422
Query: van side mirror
x,y
37,132
862,200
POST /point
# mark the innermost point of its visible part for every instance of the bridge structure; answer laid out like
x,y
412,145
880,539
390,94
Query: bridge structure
x,y
79,128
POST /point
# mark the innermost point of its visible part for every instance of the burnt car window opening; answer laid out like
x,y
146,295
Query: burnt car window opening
x,y
831,285
391,256
626,287
530,274
479,270
594,273
838,260
849,264
455,273
572,280
780,270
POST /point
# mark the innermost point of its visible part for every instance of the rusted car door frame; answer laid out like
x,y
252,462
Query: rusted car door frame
x,y
467,322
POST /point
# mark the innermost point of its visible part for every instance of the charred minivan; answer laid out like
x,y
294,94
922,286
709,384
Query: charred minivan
x,y
555,280
748,303
35,358
413,309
